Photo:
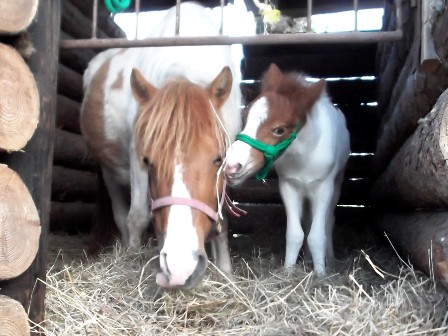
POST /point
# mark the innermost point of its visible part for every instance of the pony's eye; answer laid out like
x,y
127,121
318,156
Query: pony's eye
x,y
279,131
146,161
218,161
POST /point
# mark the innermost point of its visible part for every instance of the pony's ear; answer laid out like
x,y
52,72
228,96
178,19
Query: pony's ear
x,y
221,86
141,89
272,77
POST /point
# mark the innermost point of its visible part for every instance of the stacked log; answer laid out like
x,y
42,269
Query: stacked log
x,y
13,318
26,112
19,108
411,155
75,172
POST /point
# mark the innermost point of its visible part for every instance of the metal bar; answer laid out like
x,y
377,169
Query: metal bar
x,y
94,18
221,28
353,37
399,18
177,17
355,9
309,12
137,12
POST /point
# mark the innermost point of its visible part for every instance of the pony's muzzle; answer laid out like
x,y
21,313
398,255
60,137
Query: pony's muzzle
x,y
181,272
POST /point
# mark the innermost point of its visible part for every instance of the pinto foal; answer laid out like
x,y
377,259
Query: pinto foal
x,y
293,126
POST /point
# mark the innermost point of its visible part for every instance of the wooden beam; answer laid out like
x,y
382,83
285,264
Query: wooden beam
x,y
75,59
34,164
70,185
418,97
70,150
72,217
68,114
421,237
417,175
340,91
70,83
344,60
354,192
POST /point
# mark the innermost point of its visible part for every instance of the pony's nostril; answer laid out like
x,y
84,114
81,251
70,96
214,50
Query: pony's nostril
x,y
233,168
164,264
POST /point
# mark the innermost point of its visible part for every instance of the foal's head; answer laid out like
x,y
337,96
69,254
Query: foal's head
x,y
180,142
271,123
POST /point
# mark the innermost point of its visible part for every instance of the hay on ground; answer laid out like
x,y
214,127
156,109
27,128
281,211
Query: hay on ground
x,y
116,294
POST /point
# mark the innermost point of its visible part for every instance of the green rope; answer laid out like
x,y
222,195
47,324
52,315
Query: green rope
x,y
116,6
270,152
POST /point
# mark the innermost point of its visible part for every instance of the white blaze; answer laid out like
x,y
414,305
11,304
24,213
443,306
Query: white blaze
x,y
181,240
239,152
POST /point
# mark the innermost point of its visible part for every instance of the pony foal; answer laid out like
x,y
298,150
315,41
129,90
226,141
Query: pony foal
x,y
165,147
293,125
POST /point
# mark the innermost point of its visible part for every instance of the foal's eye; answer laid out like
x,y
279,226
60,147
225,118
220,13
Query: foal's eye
x,y
279,131
218,161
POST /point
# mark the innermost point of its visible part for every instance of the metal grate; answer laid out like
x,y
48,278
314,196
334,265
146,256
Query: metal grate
x,y
299,38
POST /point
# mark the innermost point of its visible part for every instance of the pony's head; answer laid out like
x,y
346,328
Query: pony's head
x,y
180,141
272,121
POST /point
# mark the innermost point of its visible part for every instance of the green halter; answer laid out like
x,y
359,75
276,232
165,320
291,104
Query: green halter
x,y
270,152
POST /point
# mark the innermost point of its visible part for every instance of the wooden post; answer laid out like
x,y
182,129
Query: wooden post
x,y
35,164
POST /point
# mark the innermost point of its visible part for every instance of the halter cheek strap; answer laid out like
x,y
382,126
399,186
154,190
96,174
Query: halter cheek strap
x,y
270,152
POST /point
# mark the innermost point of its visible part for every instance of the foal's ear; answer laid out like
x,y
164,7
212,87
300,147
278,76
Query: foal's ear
x,y
272,77
314,91
141,89
221,86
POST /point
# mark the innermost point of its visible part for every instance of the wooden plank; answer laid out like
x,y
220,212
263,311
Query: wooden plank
x,y
354,192
341,91
68,114
70,185
70,83
34,164
70,150
71,217
335,60
75,59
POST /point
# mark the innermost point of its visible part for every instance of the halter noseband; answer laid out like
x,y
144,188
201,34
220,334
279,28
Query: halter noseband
x,y
191,202
270,152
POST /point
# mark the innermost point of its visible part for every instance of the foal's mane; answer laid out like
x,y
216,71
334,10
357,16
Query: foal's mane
x,y
173,124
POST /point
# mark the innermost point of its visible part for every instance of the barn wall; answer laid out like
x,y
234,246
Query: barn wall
x,y
410,157
74,183
33,164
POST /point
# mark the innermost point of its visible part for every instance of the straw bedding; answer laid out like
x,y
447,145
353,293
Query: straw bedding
x,y
372,293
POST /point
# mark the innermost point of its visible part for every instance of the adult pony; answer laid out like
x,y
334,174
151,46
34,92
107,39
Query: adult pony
x,y
294,123
165,146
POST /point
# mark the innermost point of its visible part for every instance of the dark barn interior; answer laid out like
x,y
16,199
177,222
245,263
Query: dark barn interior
x,y
388,88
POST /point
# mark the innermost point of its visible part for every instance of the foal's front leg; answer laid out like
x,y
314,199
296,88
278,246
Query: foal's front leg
x,y
293,200
321,226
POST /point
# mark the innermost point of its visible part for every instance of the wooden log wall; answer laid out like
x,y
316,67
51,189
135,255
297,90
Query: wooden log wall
x,y
75,172
25,183
409,191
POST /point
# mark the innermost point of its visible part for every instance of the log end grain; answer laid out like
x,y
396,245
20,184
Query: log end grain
x,y
16,15
19,225
19,100
13,318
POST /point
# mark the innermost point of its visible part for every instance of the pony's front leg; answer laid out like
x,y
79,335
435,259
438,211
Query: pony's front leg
x,y
220,250
292,197
322,225
139,213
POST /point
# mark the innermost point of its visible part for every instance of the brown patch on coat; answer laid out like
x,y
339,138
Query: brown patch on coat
x,y
107,152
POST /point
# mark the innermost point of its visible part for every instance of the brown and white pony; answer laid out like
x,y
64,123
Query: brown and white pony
x,y
165,146
293,126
